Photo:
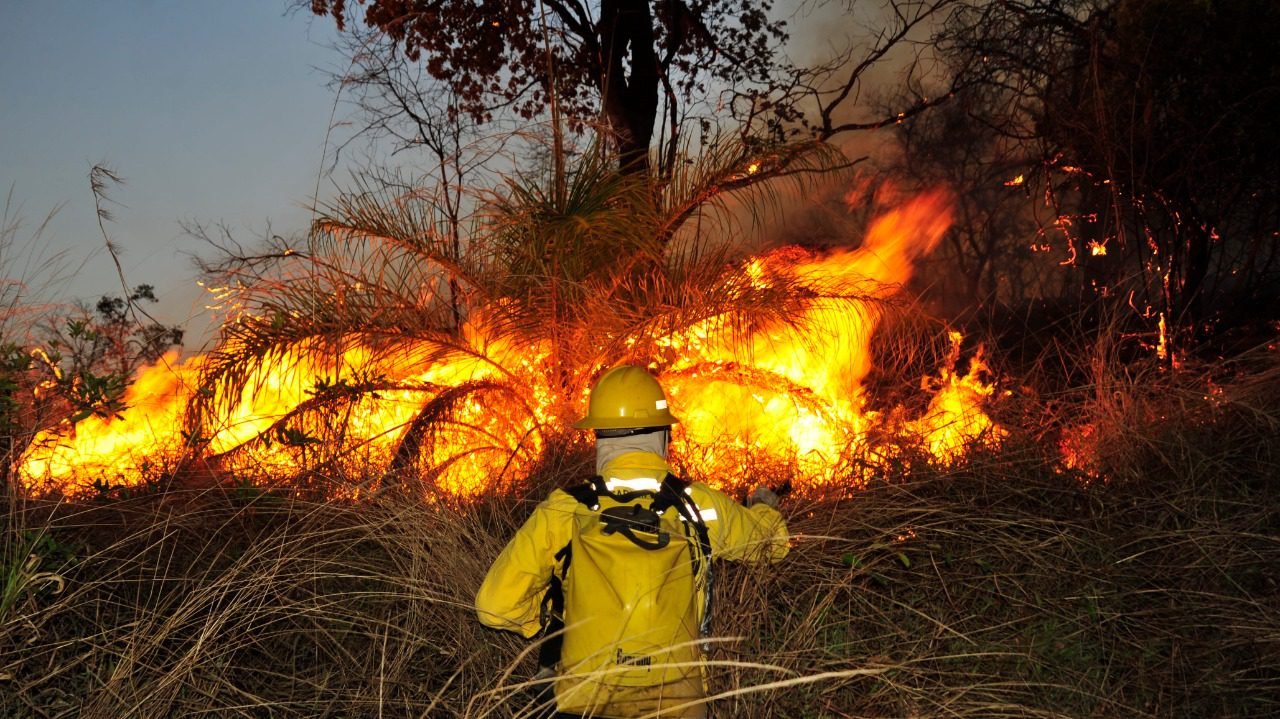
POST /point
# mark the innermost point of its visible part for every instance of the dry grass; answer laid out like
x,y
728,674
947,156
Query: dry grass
x,y
1003,588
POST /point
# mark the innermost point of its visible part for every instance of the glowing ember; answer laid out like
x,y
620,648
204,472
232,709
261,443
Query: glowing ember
x,y
478,412
1162,346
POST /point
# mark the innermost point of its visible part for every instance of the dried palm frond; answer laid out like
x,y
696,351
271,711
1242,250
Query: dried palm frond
x,y
578,272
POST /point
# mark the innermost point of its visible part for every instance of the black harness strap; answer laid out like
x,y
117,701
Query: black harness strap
x,y
587,493
552,613
673,489
628,519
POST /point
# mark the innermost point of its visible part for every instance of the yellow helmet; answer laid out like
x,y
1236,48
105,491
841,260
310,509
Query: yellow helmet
x,y
626,397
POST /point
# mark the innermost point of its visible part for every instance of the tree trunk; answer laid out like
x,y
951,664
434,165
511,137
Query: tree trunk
x,y
630,101
1194,235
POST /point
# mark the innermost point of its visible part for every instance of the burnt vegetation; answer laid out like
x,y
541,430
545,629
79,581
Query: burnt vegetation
x,y
1113,245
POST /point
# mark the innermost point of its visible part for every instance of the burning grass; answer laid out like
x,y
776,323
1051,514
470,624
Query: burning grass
x,y
764,356
1004,586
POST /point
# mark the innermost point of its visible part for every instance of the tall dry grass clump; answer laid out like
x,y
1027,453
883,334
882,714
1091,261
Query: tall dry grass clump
x,y
183,604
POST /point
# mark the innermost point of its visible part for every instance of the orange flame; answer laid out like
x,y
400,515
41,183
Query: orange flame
x,y
119,450
790,395
800,396
955,418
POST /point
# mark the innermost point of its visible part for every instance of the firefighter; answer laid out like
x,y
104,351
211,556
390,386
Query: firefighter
x,y
615,655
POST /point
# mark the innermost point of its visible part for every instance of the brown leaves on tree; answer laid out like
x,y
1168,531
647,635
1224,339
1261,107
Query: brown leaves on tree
x,y
618,56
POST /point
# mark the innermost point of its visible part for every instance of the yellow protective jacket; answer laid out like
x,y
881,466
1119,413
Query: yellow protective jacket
x,y
511,595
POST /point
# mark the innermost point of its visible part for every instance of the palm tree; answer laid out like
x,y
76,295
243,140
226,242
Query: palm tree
x,y
493,342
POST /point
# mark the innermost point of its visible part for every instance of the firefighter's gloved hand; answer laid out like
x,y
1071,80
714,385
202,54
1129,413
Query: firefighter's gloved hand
x,y
763,495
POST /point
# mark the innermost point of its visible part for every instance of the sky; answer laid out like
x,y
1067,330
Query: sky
x,y
211,112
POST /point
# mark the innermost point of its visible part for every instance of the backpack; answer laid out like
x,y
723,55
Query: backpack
x,y
627,612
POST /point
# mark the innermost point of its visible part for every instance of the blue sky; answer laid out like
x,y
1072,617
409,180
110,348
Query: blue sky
x,y
210,111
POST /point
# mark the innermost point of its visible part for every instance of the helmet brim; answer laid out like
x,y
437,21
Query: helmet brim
x,y
662,419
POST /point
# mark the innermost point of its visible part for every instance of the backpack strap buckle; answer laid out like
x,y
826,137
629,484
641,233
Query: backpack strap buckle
x,y
627,520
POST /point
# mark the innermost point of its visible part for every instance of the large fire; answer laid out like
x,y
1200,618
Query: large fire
x,y
788,397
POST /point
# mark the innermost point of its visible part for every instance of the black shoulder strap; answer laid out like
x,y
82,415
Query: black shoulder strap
x,y
628,519
552,614
588,493
552,610
673,492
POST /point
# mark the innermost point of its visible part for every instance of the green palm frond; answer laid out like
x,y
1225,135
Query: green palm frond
x,y
548,237
601,253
